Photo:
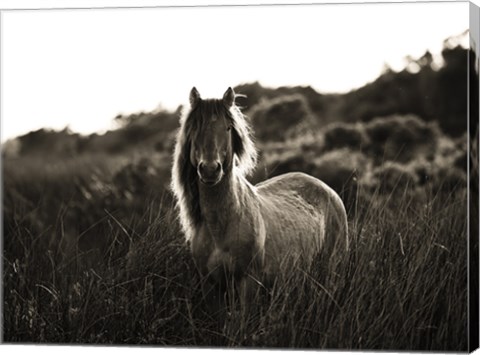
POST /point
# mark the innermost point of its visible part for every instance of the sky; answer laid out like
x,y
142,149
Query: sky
x,y
81,68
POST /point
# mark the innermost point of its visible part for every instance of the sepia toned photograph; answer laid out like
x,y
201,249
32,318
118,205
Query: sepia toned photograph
x,y
300,177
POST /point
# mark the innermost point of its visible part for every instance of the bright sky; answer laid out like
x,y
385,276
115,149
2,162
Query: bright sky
x,y
83,67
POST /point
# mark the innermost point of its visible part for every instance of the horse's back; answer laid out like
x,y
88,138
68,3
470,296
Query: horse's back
x,y
299,206
314,191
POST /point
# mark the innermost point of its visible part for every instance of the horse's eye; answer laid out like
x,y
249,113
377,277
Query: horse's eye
x,y
229,128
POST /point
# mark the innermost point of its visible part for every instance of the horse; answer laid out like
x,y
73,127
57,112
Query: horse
x,y
238,231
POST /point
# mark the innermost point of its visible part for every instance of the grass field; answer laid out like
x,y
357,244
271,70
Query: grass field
x,y
93,252
95,256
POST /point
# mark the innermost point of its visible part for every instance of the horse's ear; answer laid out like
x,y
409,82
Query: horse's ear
x,y
194,97
229,97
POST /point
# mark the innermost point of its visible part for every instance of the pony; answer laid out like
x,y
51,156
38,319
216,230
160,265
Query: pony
x,y
238,231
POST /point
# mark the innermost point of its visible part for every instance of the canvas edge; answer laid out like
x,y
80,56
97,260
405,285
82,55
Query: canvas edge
x,y
472,166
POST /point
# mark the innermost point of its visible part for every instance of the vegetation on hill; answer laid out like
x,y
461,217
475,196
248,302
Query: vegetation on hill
x,y
435,94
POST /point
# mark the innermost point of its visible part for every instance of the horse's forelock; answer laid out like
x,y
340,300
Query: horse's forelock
x,y
243,145
184,174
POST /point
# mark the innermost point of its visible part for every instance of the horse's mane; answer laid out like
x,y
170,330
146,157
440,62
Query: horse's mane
x,y
184,174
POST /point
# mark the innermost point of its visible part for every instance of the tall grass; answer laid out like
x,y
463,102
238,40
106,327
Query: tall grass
x,y
402,285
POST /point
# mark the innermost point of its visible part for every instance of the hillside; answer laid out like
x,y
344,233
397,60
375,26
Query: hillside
x,y
422,89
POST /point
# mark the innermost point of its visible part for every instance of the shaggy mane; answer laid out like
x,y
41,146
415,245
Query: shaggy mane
x,y
184,174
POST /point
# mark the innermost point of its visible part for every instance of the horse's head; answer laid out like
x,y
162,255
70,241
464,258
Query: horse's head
x,y
214,139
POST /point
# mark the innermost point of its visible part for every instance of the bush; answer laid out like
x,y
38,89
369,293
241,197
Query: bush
x,y
341,170
395,177
280,118
448,180
341,135
460,161
289,163
424,171
141,177
402,138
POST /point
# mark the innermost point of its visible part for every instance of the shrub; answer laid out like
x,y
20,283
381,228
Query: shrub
x,y
341,169
280,118
449,179
402,138
424,171
289,163
396,177
460,161
137,177
341,135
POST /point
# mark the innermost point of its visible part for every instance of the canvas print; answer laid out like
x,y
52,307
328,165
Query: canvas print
x,y
286,177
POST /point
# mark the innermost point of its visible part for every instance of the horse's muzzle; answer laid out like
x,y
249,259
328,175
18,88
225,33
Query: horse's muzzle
x,y
210,173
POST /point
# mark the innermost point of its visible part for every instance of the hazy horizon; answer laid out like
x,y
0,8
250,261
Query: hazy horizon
x,y
57,72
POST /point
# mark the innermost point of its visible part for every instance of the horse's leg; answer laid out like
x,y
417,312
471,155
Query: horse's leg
x,y
247,289
213,299
244,296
